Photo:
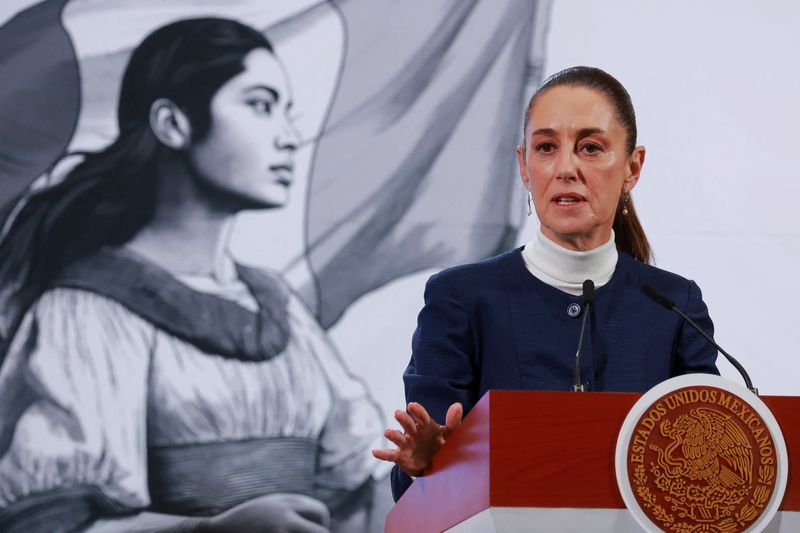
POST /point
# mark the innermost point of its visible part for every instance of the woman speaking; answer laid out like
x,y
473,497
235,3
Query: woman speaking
x,y
513,321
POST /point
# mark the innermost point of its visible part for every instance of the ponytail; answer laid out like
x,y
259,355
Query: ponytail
x,y
629,235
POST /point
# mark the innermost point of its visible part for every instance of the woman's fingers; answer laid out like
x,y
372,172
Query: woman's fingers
x,y
421,436
385,455
396,437
453,418
419,413
407,421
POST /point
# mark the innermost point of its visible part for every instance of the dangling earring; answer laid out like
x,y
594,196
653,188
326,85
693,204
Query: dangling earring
x,y
530,202
625,197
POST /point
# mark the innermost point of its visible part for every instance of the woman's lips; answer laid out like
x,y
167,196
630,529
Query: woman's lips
x,y
567,199
283,173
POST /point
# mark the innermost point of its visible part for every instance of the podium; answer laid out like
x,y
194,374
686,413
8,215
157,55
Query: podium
x,y
544,461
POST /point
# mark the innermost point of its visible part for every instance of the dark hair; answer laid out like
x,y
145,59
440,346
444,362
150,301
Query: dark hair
x,y
108,197
628,231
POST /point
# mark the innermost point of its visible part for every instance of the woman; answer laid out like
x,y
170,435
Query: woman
x,y
146,374
512,321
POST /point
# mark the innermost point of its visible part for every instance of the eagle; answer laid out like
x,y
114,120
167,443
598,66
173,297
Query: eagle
x,y
714,448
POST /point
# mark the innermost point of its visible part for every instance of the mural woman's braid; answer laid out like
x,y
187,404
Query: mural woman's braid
x,y
110,195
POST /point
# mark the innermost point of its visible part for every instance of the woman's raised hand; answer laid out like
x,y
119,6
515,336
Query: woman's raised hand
x,y
420,439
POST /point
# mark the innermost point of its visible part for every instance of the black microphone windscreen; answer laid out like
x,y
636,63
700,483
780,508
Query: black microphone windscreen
x,y
657,297
588,292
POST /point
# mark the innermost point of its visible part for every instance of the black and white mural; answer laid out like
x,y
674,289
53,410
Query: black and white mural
x,y
194,195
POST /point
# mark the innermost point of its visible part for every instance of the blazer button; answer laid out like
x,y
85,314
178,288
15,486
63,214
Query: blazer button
x,y
573,310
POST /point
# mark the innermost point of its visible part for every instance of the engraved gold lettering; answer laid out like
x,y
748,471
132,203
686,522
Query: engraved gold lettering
x,y
724,400
671,402
680,398
736,405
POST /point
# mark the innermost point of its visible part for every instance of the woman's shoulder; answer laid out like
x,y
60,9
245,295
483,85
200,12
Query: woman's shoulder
x,y
71,320
673,285
72,313
79,305
489,271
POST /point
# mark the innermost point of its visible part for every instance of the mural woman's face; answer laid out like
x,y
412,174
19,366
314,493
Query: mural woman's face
x,y
247,153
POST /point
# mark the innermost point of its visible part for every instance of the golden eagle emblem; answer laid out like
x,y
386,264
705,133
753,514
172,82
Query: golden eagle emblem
x,y
714,449
697,462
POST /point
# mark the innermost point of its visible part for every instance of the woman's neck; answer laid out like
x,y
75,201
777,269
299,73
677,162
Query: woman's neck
x,y
188,233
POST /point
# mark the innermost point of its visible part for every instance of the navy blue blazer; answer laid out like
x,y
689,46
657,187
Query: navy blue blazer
x,y
493,325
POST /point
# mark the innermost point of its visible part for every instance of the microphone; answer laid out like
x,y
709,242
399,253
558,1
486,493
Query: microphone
x,y
665,302
587,300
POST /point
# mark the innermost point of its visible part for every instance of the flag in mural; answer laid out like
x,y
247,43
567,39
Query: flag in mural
x,y
147,374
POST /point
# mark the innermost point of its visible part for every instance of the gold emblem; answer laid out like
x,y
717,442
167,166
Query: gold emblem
x,y
701,460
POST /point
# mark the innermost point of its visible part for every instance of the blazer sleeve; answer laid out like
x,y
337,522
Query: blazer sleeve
x,y
693,353
443,368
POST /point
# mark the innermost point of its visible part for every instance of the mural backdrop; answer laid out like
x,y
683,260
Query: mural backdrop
x,y
271,325
188,209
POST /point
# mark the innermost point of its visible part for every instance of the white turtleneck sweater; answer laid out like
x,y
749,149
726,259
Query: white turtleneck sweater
x,y
565,269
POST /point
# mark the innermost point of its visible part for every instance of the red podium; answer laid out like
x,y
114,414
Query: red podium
x,y
548,457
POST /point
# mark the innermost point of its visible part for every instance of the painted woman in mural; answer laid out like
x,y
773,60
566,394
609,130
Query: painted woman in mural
x,y
147,373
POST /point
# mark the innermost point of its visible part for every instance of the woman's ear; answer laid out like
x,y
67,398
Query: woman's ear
x,y
635,164
170,125
523,169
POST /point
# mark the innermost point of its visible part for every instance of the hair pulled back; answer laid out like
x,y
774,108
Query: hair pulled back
x,y
628,231
111,194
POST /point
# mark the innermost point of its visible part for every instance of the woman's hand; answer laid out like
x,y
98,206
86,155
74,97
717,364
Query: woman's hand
x,y
273,513
421,439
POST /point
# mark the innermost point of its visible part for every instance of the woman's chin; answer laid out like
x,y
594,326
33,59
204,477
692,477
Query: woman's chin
x,y
272,199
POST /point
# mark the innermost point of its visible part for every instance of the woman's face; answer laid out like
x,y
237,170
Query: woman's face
x,y
247,155
576,165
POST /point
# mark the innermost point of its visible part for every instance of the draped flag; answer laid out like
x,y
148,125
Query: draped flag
x,y
416,167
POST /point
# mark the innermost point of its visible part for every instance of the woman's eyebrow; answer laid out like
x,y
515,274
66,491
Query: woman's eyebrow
x,y
260,87
583,132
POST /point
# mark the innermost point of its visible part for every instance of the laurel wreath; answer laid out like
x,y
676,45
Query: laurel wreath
x,y
648,498
748,512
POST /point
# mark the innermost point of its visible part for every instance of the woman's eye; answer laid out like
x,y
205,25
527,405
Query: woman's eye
x,y
592,148
261,106
545,148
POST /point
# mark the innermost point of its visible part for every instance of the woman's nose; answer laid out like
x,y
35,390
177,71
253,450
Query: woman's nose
x,y
567,166
289,136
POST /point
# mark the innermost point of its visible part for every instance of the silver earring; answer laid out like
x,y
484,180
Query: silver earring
x,y
625,198
530,203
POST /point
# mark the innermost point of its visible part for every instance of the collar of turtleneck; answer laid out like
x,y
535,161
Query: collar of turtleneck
x,y
565,269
